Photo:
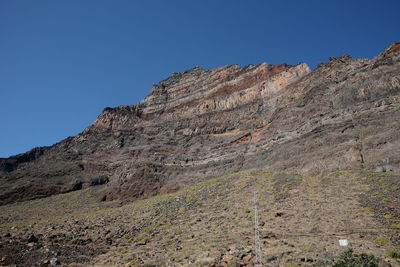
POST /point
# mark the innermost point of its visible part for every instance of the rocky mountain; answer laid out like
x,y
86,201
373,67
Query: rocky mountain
x,y
200,124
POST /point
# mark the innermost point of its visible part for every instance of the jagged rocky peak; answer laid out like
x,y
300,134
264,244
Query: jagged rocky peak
x,y
200,91
115,117
176,77
160,89
395,47
198,86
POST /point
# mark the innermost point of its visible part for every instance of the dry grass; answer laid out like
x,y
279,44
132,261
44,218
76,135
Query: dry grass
x,y
302,217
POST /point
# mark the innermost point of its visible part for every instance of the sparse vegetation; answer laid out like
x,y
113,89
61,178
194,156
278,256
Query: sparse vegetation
x,y
388,216
141,240
127,236
377,194
381,240
133,263
395,226
350,259
148,230
176,227
393,253
367,209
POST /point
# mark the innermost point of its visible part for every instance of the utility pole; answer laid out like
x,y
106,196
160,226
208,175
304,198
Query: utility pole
x,y
258,262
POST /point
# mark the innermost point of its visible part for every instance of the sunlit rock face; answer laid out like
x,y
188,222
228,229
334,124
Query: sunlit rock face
x,y
202,123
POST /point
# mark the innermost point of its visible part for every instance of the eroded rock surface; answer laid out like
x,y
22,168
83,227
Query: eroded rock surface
x,y
202,123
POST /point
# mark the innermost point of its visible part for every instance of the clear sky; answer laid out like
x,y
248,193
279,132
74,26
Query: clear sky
x,y
62,62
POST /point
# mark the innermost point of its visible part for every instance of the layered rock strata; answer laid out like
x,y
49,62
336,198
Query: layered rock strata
x,y
202,123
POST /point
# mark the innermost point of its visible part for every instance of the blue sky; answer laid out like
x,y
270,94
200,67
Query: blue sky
x,y
62,62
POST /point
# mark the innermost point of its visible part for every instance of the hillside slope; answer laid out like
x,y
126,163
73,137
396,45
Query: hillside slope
x,y
200,124
302,218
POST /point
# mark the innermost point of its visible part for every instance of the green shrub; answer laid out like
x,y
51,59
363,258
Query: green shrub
x,y
127,236
393,253
367,209
349,259
395,226
377,194
141,240
133,263
394,188
381,240
148,230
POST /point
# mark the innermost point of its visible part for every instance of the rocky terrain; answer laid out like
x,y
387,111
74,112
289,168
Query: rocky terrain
x,y
320,147
302,217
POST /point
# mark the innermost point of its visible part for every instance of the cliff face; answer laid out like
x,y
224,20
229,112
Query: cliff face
x,y
202,123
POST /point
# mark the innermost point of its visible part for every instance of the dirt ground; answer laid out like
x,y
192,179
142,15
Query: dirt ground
x,y
302,219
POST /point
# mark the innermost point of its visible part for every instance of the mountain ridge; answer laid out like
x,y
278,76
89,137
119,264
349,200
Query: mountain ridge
x,y
200,124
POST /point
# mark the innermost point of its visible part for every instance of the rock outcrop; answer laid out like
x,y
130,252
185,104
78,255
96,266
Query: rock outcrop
x,y
202,123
